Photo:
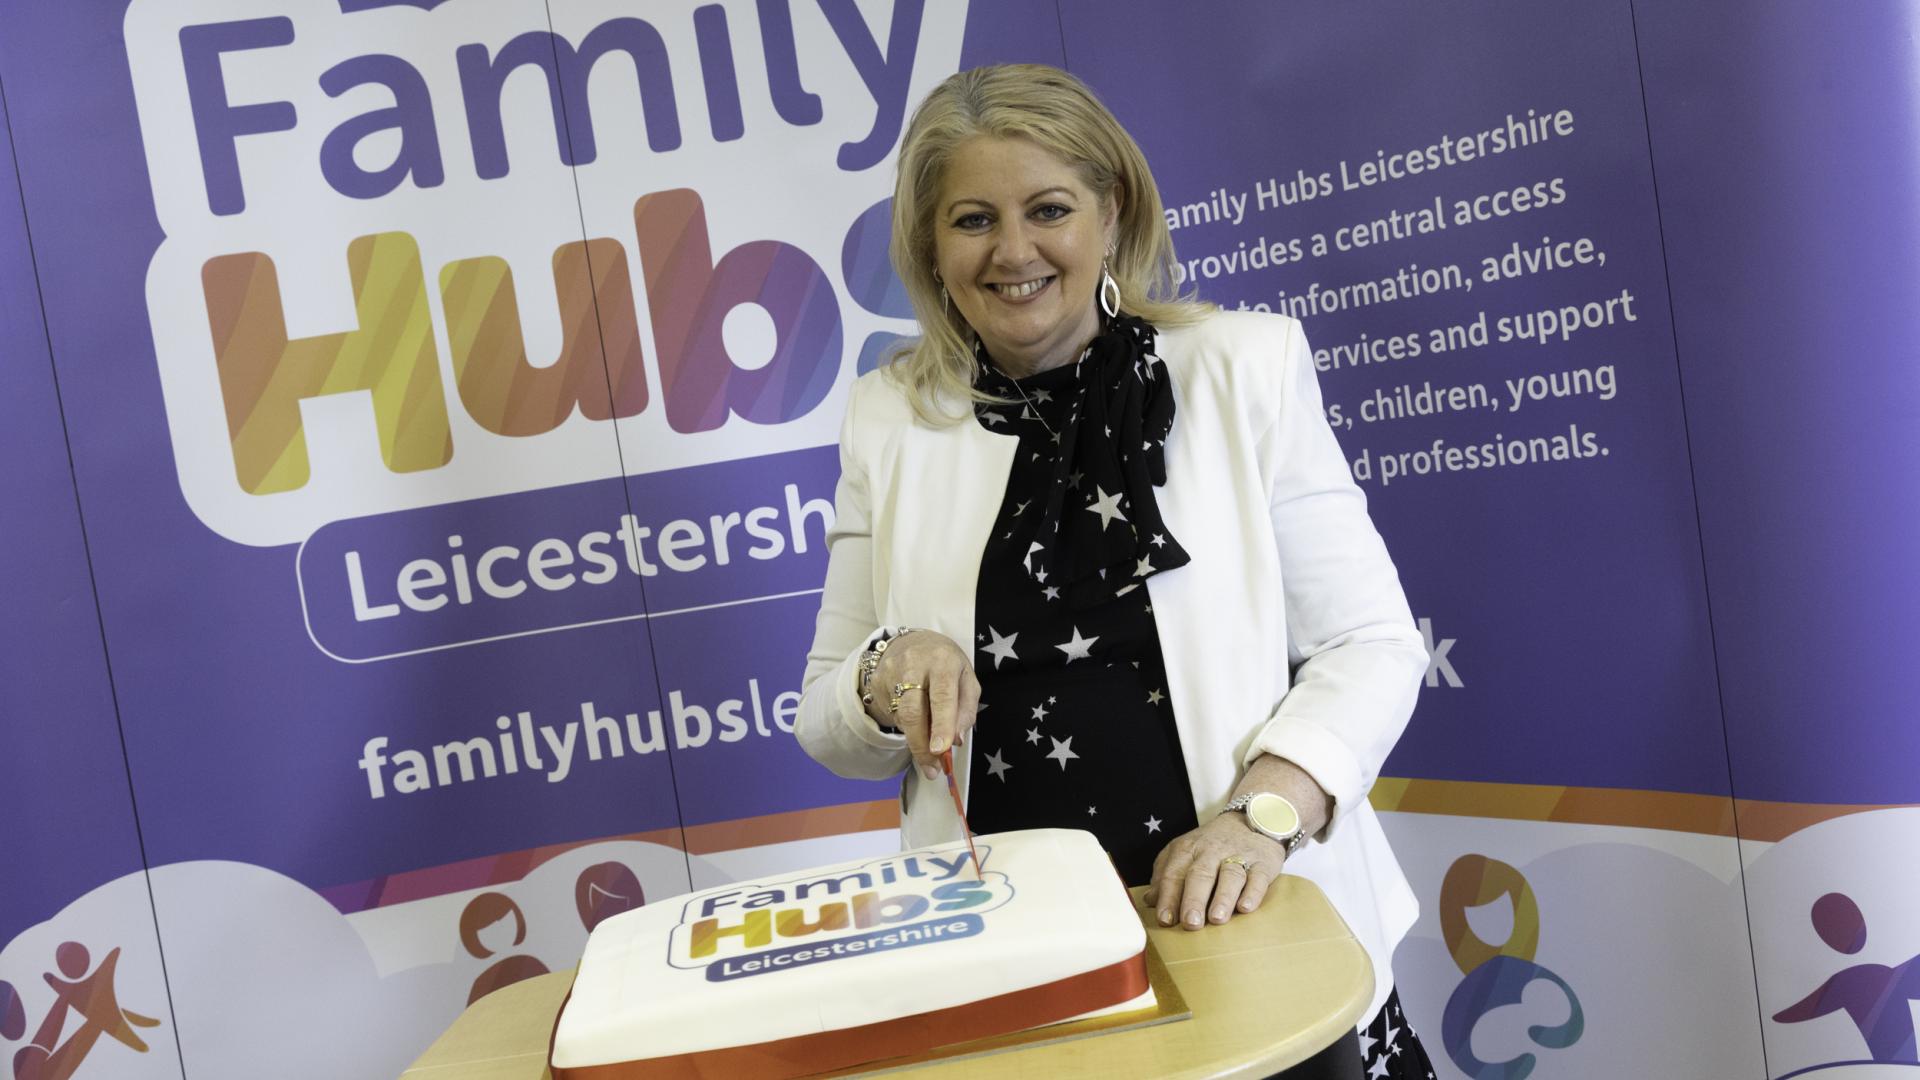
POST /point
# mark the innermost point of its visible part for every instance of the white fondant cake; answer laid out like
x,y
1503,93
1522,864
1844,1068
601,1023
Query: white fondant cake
x,y
856,962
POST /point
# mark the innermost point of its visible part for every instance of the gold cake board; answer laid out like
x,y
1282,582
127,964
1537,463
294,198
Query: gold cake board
x,y
1263,992
1168,1006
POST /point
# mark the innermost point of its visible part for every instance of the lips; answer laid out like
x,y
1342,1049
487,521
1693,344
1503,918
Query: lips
x,y
1021,290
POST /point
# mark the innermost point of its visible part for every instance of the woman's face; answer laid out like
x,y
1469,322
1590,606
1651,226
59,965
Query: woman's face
x,y
1018,240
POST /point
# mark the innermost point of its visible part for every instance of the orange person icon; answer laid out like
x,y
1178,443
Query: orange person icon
x,y
483,911
605,889
13,1014
92,998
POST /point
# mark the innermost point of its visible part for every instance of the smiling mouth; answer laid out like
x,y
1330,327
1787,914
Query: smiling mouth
x,y
1022,290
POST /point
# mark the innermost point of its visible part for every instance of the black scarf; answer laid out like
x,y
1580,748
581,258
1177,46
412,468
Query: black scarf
x,y
1102,535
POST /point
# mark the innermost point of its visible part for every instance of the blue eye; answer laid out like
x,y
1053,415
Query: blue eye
x,y
1051,212
971,222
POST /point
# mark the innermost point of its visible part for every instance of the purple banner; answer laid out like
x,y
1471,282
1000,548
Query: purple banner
x,y
1791,226
63,783
1479,271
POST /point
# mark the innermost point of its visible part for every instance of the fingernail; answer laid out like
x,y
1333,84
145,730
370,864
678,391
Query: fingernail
x,y
929,772
1220,914
1166,917
1193,919
938,745
1246,905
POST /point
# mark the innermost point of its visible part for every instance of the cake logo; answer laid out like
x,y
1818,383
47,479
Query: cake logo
x,y
899,902
422,252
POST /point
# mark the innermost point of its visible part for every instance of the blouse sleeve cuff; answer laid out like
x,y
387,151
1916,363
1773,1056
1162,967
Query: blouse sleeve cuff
x,y
1321,755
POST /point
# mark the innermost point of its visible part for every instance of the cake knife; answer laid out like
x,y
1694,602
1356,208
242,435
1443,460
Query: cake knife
x,y
953,788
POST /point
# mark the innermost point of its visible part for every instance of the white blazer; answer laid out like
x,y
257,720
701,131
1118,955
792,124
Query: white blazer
x,y
1287,634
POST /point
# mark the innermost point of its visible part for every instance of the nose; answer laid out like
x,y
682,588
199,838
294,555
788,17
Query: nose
x,y
1014,247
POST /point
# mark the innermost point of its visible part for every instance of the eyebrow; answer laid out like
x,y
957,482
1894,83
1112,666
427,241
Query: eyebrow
x,y
955,204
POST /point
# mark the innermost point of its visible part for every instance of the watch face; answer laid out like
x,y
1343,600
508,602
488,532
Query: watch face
x,y
1273,814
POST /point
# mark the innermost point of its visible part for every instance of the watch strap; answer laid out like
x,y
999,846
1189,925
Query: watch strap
x,y
1292,841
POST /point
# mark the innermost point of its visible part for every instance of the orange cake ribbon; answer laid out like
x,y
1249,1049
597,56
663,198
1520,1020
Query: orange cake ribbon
x,y
827,1051
953,788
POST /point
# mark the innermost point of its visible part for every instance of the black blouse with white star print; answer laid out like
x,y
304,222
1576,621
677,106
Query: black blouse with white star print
x,y
1075,728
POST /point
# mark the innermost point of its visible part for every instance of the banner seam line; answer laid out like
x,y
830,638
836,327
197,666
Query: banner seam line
x,y
93,584
1060,22
619,449
1699,528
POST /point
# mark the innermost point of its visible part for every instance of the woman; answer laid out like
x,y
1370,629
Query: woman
x,y
1102,539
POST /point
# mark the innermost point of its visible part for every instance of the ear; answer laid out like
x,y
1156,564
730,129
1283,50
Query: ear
x,y
1110,220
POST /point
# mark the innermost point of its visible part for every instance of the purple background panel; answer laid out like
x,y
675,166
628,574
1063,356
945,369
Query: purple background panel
x,y
1572,591
66,817
1785,149
242,736
737,653
1012,32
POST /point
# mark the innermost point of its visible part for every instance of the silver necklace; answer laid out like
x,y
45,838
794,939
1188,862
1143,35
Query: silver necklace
x,y
1018,389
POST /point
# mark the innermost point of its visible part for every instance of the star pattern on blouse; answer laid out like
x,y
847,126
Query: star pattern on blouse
x,y
1033,549
1063,752
990,418
1077,647
1107,506
1042,496
1001,648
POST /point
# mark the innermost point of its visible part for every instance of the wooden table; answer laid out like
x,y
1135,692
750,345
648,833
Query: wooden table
x,y
1267,991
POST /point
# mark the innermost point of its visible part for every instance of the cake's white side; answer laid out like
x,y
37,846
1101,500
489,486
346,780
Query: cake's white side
x,y
1055,909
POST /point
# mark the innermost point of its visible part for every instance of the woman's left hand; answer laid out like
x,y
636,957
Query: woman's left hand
x,y
1212,873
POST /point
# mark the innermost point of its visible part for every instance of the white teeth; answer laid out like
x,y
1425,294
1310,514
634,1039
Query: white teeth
x,y
1025,288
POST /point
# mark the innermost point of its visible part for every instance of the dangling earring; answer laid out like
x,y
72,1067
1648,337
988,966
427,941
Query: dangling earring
x,y
1109,288
946,302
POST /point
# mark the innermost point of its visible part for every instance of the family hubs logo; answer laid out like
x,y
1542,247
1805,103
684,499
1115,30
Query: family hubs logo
x,y
1496,975
899,902
424,252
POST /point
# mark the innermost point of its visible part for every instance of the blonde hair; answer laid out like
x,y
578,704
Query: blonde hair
x,y
1060,114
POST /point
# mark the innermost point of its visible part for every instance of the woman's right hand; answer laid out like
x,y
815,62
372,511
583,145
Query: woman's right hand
x,y
939,712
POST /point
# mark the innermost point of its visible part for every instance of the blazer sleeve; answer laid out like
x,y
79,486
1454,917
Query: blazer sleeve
x,y
1356,656
832,726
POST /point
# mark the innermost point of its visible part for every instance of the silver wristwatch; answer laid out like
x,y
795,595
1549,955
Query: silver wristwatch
x,y
1272,816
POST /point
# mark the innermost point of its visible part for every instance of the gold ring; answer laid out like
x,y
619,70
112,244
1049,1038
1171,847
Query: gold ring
x,y
901,690
1234,860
